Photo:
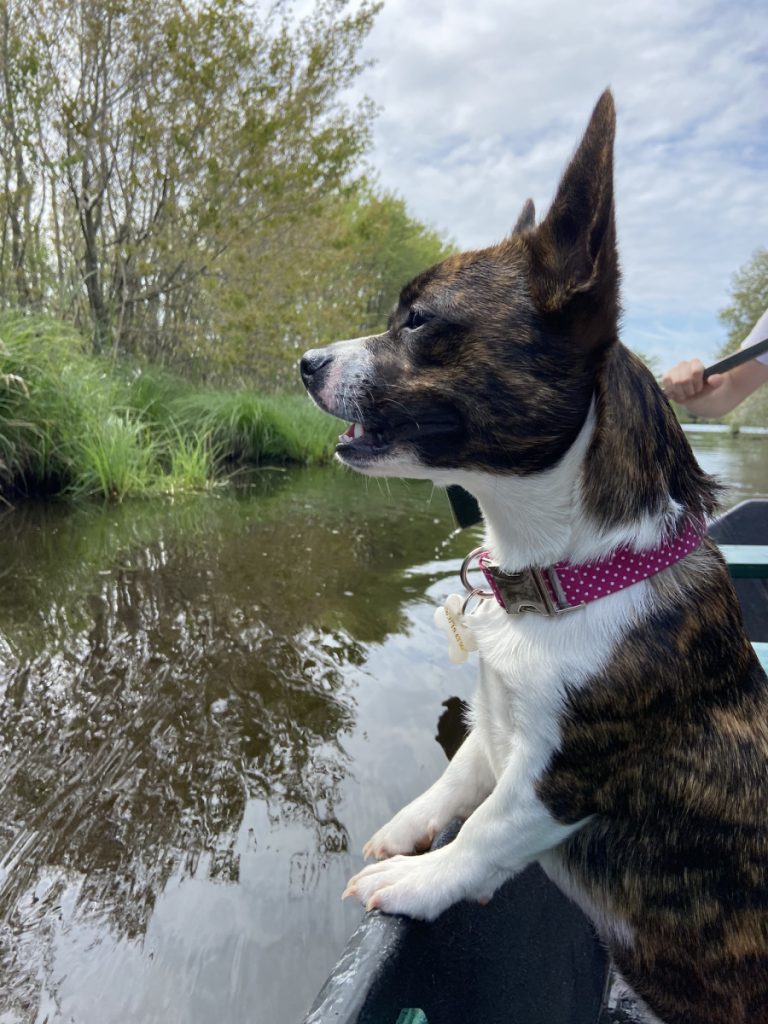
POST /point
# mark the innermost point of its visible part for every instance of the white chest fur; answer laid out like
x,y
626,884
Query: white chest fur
x,y
528,665
529,661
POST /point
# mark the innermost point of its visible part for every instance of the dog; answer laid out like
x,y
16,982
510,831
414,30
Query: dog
x,y
622,743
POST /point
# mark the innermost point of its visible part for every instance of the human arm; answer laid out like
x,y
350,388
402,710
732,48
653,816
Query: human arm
x,y
721,393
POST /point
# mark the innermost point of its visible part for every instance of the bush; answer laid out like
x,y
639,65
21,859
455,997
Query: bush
x,y
73,424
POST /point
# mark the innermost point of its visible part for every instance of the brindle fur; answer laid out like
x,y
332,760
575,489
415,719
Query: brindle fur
x,y
667,748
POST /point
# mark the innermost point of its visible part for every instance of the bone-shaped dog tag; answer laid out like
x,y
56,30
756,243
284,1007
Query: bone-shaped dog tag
x,y
450,620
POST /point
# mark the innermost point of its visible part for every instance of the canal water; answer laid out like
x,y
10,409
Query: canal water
x,y
208,705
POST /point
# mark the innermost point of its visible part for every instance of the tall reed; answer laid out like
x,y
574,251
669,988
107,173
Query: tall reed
x,y
73,424
254,429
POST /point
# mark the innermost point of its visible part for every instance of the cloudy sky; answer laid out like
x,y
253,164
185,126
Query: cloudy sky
x,y
482,103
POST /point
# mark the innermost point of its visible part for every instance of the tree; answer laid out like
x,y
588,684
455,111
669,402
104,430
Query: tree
x,y
334,273
147,136
389,247
749,300
22,263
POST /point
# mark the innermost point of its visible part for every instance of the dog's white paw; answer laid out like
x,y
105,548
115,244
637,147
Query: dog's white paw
x,y
421,887
404,885
410,831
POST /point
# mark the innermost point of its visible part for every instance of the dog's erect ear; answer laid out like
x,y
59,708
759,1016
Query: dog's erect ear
x,y
574,248
527,218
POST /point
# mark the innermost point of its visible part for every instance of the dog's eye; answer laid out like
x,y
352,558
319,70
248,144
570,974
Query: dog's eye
x,y
417,319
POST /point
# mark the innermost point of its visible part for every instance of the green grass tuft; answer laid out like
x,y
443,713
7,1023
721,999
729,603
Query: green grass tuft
x,y
73,424
194,464
248,428
115,456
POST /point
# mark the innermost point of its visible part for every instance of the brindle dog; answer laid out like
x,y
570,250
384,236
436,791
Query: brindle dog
x,y
624,744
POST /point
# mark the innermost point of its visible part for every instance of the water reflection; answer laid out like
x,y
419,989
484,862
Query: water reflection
x,y
166,666
739,461
207,706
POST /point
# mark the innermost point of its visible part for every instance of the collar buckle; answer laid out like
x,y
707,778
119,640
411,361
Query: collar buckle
x,y
530,590
527,591
520,592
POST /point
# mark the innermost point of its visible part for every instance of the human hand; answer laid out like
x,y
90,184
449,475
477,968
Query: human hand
x,y
686,381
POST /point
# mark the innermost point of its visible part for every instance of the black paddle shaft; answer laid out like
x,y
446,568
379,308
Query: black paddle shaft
x,y
742,356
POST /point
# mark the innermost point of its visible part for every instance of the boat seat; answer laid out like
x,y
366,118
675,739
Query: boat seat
x,y
746,561
747,524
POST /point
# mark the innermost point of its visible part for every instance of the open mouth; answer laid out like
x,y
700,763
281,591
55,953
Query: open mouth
x,y
356,441
360,442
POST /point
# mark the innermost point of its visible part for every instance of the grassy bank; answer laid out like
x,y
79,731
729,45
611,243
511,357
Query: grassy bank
x,y
74,425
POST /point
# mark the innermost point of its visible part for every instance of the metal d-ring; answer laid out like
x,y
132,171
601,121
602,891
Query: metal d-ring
x,y
464,576
475,592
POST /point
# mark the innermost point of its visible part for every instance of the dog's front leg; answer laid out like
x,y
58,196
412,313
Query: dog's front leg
x,y
509,830
462,787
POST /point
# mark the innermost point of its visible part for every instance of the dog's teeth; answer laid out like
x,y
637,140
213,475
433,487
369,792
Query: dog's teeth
x,y
357,430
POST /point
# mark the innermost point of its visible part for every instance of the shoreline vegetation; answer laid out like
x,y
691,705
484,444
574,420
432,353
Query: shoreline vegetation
x,y
76,426
188,185
187,195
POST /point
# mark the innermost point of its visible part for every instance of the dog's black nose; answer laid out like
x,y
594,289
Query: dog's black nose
x,y
313,361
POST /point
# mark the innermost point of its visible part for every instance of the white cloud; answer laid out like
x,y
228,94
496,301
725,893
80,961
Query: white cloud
x,y
481,106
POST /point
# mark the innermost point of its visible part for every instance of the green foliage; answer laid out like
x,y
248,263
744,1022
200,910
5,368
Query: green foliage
x,y
336,274
44,388
142,139
184,179
73,424
298,431
752,412
194,463
249,428
150,391
388,247
749,300
114,456
234,421
59,424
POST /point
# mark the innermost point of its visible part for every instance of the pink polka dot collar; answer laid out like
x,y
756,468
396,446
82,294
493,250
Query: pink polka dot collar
x,y
564,585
